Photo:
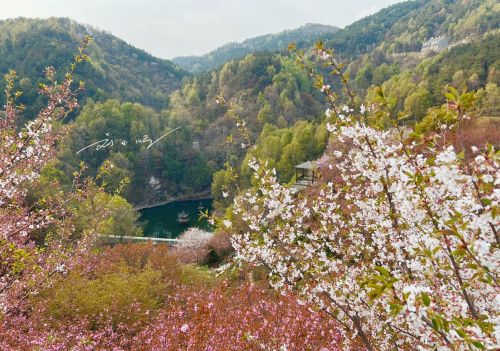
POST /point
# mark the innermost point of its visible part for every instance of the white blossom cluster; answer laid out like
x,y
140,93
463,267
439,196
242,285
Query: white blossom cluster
x,y
402,249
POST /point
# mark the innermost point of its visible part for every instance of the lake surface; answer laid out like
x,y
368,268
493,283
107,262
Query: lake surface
x,y
161,221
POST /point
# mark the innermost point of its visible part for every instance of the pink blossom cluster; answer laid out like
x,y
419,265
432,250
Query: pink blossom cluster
x,y
241,317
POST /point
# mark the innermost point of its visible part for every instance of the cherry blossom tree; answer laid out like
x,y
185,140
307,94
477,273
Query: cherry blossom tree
x,y
402,248
24,152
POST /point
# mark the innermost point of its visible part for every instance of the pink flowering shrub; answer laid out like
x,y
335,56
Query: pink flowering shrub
x,y
190,315
242,318
245,318
402,250
24,152
40,240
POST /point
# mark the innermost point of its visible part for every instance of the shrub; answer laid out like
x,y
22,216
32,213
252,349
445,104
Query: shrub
x,y
228,317
220,247
106,298
193,247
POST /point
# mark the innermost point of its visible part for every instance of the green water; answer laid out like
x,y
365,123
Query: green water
x,y
161,221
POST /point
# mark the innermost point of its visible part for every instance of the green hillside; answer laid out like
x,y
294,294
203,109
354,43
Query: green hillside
x,y
269,91
263,89
405,26
398,28
115,70
305,35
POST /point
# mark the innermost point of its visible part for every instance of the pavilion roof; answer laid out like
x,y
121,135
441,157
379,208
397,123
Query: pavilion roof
x,y
307,165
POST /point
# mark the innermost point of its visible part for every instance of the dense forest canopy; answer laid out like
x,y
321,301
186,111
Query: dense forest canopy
x,y
271,87
268,90
403,27
115,69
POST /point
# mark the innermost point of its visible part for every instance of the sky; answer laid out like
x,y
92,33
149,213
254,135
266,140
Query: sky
x,y
170,28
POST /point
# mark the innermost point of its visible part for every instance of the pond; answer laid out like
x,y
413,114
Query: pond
x,y
161,221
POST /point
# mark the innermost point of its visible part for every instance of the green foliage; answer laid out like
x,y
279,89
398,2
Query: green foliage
x,y
448,115
395,90
417,103
476,59
412,91
126,285
223,187
490,100
178,167
121,221
384,49
258,89
403,27
364,77
285,148
384,72
108,296
436,118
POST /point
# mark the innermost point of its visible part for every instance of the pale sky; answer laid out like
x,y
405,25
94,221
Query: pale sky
x,y
169,28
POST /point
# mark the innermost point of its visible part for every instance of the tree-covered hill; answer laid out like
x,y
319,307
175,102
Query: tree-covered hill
x,y
281,109
115,70
305,35
414,82
403,27
261,89
269,91
398,28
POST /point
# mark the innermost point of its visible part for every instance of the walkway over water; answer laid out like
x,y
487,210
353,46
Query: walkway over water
x,y
126,238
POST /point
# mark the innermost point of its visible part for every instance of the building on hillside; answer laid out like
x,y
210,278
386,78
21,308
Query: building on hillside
x,y
305,174
436,44
196,145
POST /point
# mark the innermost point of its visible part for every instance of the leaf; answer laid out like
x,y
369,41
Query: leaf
x,y
395,308
426,299
461,333
478,344
486,202
435,324
383,271
449,96
453,91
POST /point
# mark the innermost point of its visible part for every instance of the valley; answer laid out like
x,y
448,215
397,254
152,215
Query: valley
x,y
385,237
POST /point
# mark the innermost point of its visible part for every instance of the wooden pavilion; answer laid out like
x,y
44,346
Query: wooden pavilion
x,y
305,174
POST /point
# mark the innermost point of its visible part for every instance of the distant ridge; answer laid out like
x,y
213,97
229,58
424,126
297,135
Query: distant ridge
x,y
305,35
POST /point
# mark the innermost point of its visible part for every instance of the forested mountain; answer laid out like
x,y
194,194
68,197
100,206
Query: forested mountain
x,y
115,68
279,105
261,89
403,27
398,28
305,35
270,92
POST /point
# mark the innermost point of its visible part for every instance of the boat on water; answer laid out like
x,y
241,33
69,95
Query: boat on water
x,y
183,217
